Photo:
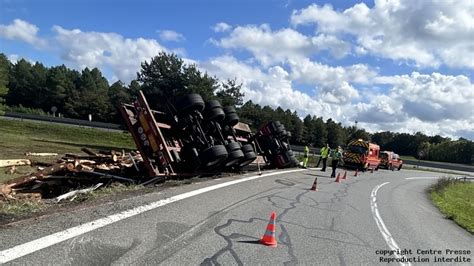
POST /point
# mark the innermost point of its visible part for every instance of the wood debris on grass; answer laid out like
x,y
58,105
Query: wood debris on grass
x,y
72,172
14,162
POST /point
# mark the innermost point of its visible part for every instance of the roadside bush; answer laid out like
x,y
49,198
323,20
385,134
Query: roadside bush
x,y
24,110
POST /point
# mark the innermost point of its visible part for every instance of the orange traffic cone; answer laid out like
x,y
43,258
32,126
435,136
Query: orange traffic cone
x,y
269,236
315,185
357,171
345,175
338,178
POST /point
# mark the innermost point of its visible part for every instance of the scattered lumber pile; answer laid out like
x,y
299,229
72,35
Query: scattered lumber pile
x,y
72,171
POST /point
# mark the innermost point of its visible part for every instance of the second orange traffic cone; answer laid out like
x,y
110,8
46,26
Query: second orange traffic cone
x,y
345,175
269,236
338,178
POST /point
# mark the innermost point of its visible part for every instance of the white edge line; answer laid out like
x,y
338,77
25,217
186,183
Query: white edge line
x,y
49,240
381,225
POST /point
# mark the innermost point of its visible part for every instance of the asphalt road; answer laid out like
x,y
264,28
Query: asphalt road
x,y
347,223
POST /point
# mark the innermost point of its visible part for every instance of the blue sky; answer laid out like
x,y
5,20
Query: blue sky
x,y
392,65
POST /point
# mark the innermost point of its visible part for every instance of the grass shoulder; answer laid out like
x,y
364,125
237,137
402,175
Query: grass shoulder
x,y
455,199
20,137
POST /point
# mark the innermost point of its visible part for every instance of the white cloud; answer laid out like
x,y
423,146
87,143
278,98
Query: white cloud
x,y
107,50
23,31
434,97
271,47
271,86
221,27
333,83
426,32
169,35
433,104
430,103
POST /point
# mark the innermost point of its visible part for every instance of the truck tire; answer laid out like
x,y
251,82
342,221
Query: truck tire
x,y
214,111
234,157
233,146
276,127
247,148
249,157
189,103
231,117
213,156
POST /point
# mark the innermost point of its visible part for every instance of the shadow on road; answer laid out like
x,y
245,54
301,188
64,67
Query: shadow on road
x,y
249,241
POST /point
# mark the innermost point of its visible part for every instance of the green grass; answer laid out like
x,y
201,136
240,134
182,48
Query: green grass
x,y
406,157
455,199
19,137
312,160
114,189
20,207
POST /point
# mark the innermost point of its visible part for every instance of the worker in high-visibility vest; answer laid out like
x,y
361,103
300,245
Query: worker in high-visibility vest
x,y
324,156
305,156
336,155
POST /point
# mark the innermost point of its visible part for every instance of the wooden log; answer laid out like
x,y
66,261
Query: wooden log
x,y
96,159
34,196
5,191
88,151
84,162
12,162
11,170
71,167
55,168
84,168
41,154
43,164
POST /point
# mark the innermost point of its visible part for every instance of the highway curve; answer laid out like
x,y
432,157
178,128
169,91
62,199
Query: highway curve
x,y
360,221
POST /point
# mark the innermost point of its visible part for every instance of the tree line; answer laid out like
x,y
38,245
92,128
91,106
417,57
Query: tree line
x,y
163,78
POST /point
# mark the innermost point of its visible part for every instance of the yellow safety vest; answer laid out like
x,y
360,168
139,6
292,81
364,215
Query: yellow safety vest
x,y
324,152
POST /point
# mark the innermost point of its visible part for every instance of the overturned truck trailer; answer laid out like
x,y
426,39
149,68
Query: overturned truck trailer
x,y
195,137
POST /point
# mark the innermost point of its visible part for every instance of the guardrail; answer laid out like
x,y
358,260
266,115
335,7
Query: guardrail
x,y
63,120
465,168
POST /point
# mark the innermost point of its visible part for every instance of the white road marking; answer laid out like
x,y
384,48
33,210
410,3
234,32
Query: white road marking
x,y
421,178
381,225
49,240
